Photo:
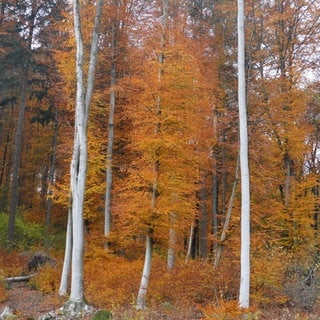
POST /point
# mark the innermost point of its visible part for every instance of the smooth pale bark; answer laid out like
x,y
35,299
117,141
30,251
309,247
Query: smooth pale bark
x,y
78,169
64,283
172,242
224,176
215,188
141,299
203,236
109,171
20,278
244,166
215,206
227,219
190,241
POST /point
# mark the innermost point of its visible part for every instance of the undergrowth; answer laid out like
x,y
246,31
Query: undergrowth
x,y
191,290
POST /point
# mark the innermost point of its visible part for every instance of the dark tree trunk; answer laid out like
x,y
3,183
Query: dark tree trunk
x,y
14,193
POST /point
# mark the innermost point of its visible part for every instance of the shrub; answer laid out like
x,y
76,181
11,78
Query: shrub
x,y
103,315
3,291
228,310
26,234
47,280
115,278
187,284
12,263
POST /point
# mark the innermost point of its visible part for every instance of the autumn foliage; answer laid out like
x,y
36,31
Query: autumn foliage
x,y
175,152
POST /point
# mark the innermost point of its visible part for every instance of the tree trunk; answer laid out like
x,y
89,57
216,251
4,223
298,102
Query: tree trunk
x,y
287,186
5,166
215,207
227,219
107,212
52,170
244,166
14,193
172,242
141,299
63,290
78,170
19,279
203,237
14,200
190,241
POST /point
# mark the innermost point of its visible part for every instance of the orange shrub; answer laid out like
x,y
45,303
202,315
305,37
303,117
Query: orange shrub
x,y
13,263
3,291
47,279
186,284
228,310
114,278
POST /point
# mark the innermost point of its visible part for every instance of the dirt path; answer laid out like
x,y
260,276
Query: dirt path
x,y
28,303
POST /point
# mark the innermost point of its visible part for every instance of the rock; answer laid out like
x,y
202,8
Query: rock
x,y
39,260
71,310
6,313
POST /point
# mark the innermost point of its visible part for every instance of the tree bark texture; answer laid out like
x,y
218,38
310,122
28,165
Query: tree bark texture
x,y
142,295
64,283
244,166
78,169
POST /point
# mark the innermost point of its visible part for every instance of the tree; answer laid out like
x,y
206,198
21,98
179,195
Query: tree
x,y
244,165
24,83
114,48
78,170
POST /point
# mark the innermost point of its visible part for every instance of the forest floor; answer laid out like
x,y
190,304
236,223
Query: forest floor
x,y
29,304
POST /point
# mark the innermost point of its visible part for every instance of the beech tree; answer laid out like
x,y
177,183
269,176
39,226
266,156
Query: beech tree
x,y
115,32
244,165
142,294
276,91
25,77
78,170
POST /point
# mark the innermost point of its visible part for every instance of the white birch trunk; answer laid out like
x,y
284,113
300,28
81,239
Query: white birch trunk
x,y
244,166
141,299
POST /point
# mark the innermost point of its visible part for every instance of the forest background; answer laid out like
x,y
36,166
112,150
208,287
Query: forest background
x,y
164,111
